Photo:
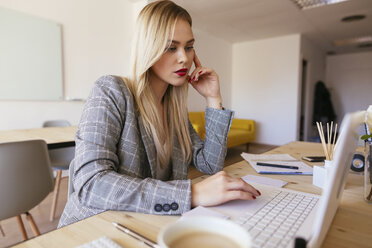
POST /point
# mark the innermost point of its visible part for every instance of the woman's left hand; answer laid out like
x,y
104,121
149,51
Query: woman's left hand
x,y
206,82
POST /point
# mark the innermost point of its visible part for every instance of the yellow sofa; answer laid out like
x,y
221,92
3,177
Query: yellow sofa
x,y
241,132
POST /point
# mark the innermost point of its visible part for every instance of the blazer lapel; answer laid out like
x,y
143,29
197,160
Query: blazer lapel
x,y
149,147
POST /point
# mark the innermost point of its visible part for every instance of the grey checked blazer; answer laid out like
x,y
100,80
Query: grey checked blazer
x,y
115,160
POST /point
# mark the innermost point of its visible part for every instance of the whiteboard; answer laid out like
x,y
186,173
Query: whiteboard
x,y
30,57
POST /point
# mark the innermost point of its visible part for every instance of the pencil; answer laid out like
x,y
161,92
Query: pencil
x,y
135,235
278,165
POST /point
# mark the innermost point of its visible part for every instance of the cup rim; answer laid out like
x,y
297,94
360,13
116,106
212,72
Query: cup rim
x,y
205,223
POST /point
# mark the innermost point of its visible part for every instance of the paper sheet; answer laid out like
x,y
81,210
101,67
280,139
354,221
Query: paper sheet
x,y
281,159
101,242
264,180
202,211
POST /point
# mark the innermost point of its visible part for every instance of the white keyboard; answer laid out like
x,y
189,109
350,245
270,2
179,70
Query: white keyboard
x,y
276,224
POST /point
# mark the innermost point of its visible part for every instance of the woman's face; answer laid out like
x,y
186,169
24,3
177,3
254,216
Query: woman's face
x,y
173,66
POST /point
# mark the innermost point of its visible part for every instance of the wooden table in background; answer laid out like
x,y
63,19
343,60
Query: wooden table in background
x,y
351,227
53,136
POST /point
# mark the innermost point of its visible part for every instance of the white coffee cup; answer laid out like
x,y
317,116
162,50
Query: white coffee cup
x,y
189,229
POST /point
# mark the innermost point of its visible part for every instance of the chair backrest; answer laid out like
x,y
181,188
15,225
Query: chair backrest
x,y
60,157
56,123
25,176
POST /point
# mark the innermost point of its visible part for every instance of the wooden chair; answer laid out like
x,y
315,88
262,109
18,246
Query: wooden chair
x,y
25,180
60,159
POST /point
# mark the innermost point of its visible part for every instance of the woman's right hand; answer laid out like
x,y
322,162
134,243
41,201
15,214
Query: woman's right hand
x,y
221,188
206,82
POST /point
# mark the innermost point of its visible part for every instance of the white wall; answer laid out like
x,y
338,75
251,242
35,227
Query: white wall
x,y
349,77
217,54
266,86
316,63
96,41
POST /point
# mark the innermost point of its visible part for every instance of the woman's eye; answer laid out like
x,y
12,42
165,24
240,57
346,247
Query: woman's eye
x,y
172,49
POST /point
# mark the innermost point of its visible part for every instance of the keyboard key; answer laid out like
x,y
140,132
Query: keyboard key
x,y
249,225
261,225
274,240
278,235
270,229
259,242
270,245
254,232
261,237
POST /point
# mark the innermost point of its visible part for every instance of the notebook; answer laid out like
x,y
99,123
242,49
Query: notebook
x,y
277,159
317,213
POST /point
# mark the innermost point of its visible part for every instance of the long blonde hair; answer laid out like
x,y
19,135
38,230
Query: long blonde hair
x,y
155,24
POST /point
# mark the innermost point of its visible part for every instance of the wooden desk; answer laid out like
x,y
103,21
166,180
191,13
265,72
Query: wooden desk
x,y
351,227
53,136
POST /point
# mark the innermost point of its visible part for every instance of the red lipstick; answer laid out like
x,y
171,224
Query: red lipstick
x,y
181,72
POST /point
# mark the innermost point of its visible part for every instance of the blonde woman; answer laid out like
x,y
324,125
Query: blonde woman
x,y
135,143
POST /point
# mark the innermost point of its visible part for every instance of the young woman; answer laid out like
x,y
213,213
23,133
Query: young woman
x,y
135,143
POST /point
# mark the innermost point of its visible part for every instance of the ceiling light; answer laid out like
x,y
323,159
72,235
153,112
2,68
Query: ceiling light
x,y
352,41
353,18
307,4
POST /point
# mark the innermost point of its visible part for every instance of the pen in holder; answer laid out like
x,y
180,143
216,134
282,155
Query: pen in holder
x,y
320,173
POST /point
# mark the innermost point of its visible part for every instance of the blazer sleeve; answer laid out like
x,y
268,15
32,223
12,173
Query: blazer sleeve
x,y
96,180
209,156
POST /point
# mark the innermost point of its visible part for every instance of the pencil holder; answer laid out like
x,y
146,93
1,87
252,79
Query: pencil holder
x,y
321,173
